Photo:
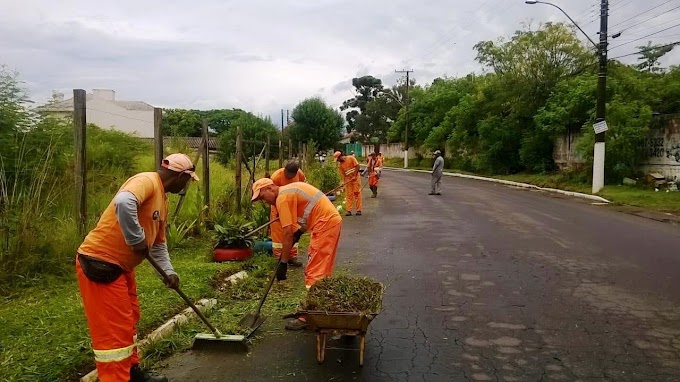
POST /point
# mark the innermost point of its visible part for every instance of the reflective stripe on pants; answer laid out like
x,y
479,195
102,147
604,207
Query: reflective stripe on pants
x,y
323,247
112,312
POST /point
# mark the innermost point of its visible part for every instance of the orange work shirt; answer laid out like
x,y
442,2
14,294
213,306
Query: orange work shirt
x,y
303,205
379,162
279,177
106,241
347,168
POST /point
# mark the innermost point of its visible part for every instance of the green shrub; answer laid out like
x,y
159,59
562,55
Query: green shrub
x,y
325,177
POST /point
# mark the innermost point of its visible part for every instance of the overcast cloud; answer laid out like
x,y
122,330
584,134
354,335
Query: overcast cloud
x,y
264,55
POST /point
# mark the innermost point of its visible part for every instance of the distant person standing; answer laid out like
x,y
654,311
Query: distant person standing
x,y
437,173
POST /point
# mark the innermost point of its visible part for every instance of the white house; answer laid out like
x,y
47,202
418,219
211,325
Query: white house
x,y
103,110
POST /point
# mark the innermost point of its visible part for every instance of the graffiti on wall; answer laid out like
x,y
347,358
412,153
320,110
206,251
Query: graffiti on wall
x,y
663,145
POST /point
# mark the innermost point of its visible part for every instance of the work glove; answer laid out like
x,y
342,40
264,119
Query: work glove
x,y
281,271
172,281
297,235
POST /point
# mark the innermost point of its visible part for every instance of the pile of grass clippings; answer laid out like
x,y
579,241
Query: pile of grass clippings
x,y
345,294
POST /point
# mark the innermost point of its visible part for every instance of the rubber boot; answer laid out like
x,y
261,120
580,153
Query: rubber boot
x,y
137,374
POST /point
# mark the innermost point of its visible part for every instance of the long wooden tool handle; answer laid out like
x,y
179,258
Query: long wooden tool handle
x,y
337,188
266,292
260,228
184,296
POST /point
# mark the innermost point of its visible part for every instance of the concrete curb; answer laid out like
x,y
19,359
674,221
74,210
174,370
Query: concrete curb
x,y
163,331
512,184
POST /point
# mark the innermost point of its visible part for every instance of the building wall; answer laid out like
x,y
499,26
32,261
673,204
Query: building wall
x,y
108,115
663,148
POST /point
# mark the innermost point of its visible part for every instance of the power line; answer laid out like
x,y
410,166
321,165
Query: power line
x,y
637,32
644,37
647,49
648,19
647,11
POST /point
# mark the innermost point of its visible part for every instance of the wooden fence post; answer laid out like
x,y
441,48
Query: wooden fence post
x,y
80,135
239,149
206,169
280,153
266,158
158,136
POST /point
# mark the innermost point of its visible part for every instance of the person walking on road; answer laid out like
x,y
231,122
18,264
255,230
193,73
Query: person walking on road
x,y
349,170
302,207
437,173
131,228
282,177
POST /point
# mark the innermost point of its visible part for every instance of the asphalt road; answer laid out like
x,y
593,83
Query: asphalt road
x,y
489,283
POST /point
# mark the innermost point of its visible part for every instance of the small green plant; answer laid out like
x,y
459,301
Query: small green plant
x,y
177,233
233,234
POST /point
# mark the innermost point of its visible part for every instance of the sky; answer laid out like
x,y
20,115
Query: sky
x,y
264,55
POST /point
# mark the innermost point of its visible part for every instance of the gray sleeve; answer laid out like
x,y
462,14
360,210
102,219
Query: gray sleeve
x,y
126,213
159,252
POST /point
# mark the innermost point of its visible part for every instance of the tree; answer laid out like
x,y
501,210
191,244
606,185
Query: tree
x,y
316,121
254,132
182,123
650,55
367,89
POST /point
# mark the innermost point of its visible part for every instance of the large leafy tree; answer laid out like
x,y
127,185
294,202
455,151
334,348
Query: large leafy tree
x,y
254,132
367,88
315,121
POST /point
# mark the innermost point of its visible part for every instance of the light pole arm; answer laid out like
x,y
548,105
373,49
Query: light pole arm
x,y
570,19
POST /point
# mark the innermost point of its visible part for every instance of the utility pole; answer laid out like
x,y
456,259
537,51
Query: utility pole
x,y
408,117
158,136
600,116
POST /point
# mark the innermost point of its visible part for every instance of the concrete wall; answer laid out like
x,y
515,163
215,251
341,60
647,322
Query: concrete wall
x,y
390,150
663,147
565,154
108,115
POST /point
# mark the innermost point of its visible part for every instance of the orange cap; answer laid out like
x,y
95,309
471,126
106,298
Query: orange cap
x,y
180,163
258,185
336,155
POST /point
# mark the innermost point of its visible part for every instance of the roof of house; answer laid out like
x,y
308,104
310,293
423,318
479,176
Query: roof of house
x,y
67,105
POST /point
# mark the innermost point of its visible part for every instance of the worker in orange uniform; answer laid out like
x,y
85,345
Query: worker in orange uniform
x,y
281,177
131,228
303,208
373,175
349,169
380,162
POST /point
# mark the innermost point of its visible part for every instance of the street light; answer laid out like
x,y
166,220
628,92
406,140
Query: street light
x,y
600,123
532,2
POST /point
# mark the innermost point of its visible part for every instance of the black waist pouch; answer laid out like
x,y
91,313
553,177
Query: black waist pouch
x,y
99,271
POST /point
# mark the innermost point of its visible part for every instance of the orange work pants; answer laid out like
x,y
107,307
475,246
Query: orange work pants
x,y
277,236
323,247
373,179
353,190
112,312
